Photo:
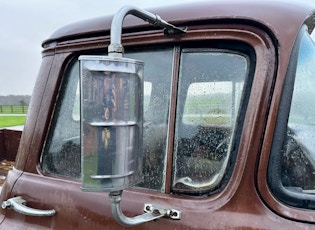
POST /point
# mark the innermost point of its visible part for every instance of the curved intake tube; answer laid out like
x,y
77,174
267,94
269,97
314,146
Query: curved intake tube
x,y
115,48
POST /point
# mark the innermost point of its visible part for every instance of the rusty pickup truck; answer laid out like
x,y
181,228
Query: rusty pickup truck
x,y
196,116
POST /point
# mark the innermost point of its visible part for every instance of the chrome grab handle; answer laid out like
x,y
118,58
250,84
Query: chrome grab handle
x,y
18,204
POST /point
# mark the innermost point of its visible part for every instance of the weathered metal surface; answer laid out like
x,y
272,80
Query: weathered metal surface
x,y
246,202
267,13
9,143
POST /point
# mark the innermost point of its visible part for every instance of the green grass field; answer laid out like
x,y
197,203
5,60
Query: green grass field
x,y
7,121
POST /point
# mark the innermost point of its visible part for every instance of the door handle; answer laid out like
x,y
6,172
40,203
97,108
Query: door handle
x,y
18,204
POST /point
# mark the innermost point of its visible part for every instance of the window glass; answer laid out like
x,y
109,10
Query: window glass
x,y
210,92
211,103
157,90
76,106
147,91
62,150
298,169
210,88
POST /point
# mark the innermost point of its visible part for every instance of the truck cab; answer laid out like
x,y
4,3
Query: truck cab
x,y
228,123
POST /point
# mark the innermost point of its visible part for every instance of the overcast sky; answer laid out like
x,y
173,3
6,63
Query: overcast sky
x,y
25,24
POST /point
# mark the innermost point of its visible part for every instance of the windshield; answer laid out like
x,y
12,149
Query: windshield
x,y
302,109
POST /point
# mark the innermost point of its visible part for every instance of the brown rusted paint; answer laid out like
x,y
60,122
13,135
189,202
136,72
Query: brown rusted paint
x,y
2,145
212,204
245,202
12,176
9,143
28,132
45,112
271,201
171,134
267,13
42,105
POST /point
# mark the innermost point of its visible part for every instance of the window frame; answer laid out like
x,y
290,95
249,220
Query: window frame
x,y
234,47
66,80
263,46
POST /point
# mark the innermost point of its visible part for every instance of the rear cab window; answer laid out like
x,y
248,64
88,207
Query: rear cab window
x,y
212,87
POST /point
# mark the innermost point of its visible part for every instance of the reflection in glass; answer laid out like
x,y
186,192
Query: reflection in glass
x,y
298,166
157,91
210,90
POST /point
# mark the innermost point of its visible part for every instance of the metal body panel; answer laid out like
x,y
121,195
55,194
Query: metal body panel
x,y
270,14
10,140
245,202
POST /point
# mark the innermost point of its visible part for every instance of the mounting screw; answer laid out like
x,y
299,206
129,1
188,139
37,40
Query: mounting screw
x,y
173,214
148,208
